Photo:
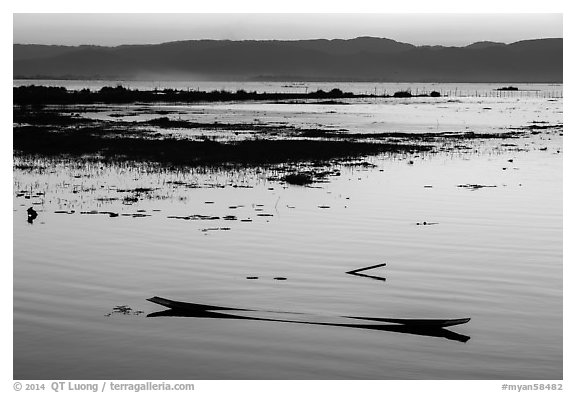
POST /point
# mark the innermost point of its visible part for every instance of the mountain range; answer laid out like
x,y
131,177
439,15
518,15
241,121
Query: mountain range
x,y
358,59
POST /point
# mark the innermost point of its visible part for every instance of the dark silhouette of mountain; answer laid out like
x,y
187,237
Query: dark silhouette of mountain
x,y
484,45
33,51
356,45
359,59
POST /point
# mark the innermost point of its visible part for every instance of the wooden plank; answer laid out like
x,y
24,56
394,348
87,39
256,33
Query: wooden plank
x,y
365,268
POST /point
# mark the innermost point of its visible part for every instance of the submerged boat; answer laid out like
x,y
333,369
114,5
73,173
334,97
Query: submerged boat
x,y
429,323
408,322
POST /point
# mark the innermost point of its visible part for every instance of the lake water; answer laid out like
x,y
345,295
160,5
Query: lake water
x,y
494,254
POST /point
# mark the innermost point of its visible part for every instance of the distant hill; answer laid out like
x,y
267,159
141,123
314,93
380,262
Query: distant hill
x,y
359,59
484,44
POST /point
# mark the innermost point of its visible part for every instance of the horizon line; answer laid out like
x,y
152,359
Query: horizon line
x,y
288,40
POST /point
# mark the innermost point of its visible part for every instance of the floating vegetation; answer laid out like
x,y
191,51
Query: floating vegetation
x,y
117,142
91,155
106,199
133,215
111,214
57,132
29,167
137,190
215,229
196,217
299,179
540,126
124,310
475,186
130,200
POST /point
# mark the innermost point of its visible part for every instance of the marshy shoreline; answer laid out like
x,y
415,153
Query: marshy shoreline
x,y
45,95
52,122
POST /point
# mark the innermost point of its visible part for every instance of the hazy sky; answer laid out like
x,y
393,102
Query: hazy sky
x,y
419,29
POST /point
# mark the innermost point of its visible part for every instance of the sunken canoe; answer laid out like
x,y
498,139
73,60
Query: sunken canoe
x,y
409,322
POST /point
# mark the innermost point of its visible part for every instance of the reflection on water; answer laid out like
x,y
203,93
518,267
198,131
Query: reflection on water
x,y
109,234
194,310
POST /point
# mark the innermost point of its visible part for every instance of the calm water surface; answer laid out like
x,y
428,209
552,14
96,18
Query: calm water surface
x,y
494,256
453,89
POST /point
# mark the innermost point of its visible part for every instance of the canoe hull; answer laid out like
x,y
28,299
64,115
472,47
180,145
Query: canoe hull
x,y
415,323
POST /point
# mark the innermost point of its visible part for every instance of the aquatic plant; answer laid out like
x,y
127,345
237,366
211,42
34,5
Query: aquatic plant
x,y
299,179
